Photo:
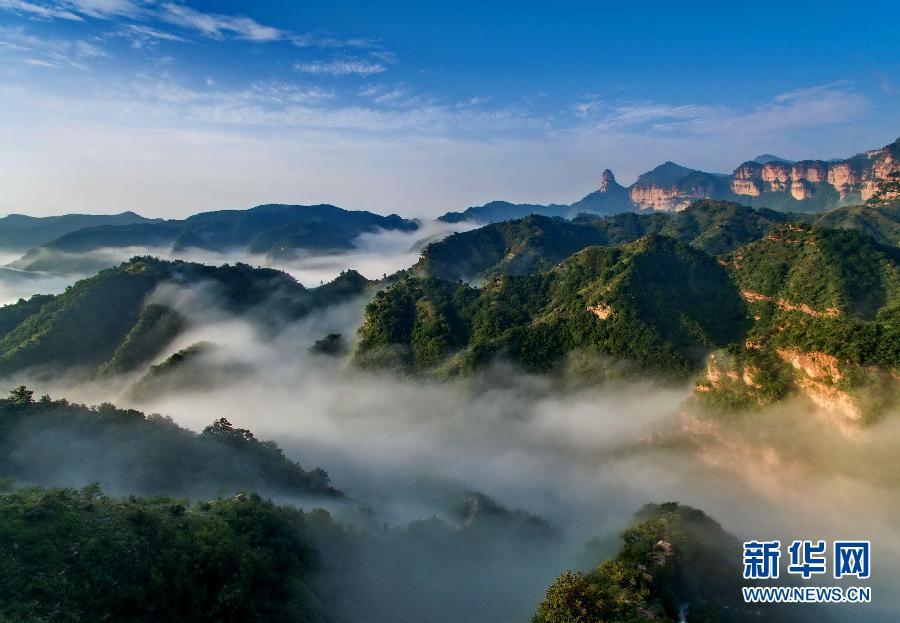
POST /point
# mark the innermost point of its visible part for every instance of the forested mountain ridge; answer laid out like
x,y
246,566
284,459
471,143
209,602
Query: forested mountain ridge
x,y
76,554
538,242
63,332
657,303
826,323
675,564
56,443
20,232
817,316
274,231
84,556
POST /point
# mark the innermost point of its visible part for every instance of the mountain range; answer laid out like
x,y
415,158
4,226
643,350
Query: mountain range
x,y
62,332
273,231
749,306
767,181
19,232
759,305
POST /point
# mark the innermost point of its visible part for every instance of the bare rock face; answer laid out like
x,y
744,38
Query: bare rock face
x,y
665,199
800,190
607,180
854,179
746,179
810,170
671,187
777,175
746,187
843,176
886,162
748,171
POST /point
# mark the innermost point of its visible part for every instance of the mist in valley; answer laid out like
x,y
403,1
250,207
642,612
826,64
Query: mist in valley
x,y
373,254
407,450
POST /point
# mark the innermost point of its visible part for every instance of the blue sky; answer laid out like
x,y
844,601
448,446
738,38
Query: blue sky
x,y
171,107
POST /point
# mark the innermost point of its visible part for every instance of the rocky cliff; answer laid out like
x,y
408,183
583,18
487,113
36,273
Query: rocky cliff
x,y
764,182
807,185
854,179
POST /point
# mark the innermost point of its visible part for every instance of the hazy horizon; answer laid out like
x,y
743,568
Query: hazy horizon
x,y
169,109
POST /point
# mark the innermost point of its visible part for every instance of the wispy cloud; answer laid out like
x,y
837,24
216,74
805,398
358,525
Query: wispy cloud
x,y
39,11
36,62
341,67
216,26
182,16
142,35
395,95
49,52
105,9
807,107
478,100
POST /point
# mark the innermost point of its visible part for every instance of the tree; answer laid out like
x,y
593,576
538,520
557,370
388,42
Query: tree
x,y
223,429
888,190
21,396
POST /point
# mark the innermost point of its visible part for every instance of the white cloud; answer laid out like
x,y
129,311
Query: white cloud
x,y
160,145
49,52
309,40
341,67
283,93
217,26
397,95
801,108
36,62
105,8
36,10
151,16
144,34
473,101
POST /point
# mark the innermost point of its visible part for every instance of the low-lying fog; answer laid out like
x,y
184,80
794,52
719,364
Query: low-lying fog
x,y
585,459
374,255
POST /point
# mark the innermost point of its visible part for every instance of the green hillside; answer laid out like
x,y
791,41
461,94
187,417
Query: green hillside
x,y
536,242
106,324
21,232
657,303
72,556
55,443
515,247
497,211
78,555
675,564
881,222
825,305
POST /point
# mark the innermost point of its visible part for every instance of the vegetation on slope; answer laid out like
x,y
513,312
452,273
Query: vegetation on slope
x,y
676,564
19,231
536,243
826,305
880,222
108,323
68,555
657,302
824,289
52,443
278,231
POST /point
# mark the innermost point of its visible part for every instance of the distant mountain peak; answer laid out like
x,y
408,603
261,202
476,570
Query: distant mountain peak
x,y
766,158
667,173
766,181
607,180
